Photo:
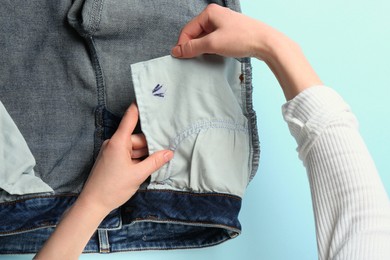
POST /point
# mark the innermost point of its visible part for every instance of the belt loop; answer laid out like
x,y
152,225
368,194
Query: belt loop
x,y
104,244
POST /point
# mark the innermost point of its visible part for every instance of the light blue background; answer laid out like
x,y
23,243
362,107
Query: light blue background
x,y
348,43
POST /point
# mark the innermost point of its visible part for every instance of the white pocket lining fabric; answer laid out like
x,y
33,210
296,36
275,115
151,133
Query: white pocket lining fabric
x,y
186,105
17,175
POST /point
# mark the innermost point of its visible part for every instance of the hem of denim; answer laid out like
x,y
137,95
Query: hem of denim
x,y
211,209
93,249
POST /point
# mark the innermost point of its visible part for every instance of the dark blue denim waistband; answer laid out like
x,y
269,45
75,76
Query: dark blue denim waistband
x,y
187,220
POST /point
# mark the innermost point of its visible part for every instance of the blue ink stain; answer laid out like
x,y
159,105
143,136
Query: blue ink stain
x,y
157,88
156,91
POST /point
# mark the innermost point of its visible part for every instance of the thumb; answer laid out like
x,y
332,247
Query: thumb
x,y
154,162
192,48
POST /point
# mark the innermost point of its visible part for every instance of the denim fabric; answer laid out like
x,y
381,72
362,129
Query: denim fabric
x,y
65,79
29,214
120,33
186,220
47,85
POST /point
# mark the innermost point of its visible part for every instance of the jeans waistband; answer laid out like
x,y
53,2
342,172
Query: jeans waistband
x,y
205,219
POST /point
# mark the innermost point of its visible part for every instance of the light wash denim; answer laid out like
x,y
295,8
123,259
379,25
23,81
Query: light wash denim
x,y
66,79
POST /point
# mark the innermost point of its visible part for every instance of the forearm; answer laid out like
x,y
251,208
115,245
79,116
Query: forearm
x,y
350,204
73,232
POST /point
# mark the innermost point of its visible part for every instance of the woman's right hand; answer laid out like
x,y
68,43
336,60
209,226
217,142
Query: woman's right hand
x,y
219,30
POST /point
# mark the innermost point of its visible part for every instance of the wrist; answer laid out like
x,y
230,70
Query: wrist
x,y
290,66
73,232
269,44
277,48
91,207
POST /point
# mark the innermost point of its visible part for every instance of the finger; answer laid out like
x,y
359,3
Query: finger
x,y
196,27
138,141
153,163
136,154
128,123
194,48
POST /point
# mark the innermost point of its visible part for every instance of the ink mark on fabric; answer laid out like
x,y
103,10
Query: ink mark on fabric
x,y
159,94
158,91
157,88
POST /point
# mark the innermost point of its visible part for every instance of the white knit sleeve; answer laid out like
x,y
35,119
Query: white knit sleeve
x,y
351,207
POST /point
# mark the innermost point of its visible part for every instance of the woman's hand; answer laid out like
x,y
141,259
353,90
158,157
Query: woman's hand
x,y
219,30
140,146
118,171
116,176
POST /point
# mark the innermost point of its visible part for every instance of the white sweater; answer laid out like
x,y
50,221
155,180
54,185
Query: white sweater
x,y
351,207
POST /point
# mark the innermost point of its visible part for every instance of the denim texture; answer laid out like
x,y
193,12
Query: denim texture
x,y
47,85
186,220
65,80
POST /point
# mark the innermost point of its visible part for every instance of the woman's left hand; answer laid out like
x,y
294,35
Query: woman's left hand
x,y
119,170
140,146
116,176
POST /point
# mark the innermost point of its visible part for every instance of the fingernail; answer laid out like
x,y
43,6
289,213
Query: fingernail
x,y
176,51
168,156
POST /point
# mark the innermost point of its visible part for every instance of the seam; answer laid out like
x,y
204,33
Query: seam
x,y
244,97
98,71
38,197
194,194
195,129
203,245
25,230
186,222
205,125
99,131
251,115
95,16
100,92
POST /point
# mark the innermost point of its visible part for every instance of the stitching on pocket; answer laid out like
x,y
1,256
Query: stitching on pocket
x,y
195,129
204,125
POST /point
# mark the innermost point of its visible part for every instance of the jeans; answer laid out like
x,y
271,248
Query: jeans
x,y
67,74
